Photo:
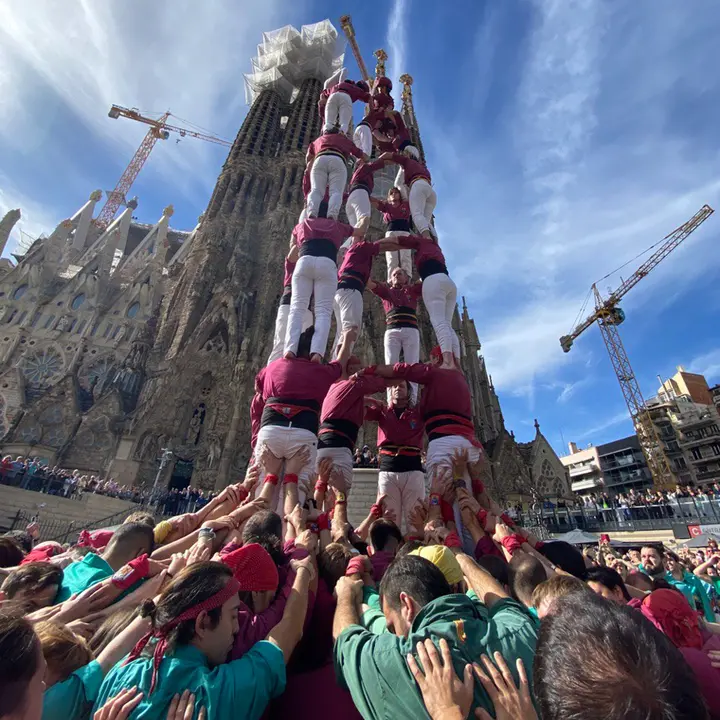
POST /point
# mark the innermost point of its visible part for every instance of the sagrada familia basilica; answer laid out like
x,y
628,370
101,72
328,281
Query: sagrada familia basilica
x,y
116,345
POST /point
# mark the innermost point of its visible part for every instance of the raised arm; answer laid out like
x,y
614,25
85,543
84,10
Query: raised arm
x,y
486,587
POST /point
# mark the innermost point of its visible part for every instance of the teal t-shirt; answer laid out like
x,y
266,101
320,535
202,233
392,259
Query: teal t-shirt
x,y
83,574
73,698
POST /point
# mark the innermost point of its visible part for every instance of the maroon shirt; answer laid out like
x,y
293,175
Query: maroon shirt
x,y
346,398
296,379
391,212
335,143
405,296
352,90
445,392
406,429
289,268
364,174
426,249
357,263
414,169
322,228
383,100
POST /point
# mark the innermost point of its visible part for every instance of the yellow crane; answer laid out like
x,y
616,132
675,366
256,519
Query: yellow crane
x,y
160,129
608,316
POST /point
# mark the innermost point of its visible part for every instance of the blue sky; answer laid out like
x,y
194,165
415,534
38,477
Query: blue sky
x,y
564,137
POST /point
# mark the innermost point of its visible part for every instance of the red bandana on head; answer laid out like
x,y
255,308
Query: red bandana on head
x,y
669,611
253,568
232,587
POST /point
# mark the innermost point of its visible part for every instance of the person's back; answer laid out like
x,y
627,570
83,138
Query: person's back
x,y
597,660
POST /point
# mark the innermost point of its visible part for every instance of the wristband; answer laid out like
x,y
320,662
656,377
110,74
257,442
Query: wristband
x,y
452,540
314,528
355,566
370,370
435,499
242,492
447,511
478,486
323,522
539,544
206,534
321,486
340,497
512,543
481,515
507,520
290,478
129,574
376,510
271,479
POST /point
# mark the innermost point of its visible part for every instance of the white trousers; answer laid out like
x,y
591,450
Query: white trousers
x,y
328,171
439,293
284,442
422,201
398,258
439,454
358,207
362,137
281,322
342,459
338,111
348,313
406,339
403,491
313,276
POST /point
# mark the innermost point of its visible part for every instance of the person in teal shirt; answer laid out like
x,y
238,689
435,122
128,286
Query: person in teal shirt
x,y
194,626
127,543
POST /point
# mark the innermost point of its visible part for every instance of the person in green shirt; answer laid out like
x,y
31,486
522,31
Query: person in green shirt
x,y
417,604
194,626
127,543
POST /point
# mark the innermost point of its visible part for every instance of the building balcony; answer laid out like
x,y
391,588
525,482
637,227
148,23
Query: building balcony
x,y
591,483
709,476
580,470
687,442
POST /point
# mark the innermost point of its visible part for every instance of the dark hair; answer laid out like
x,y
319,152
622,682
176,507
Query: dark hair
x,y
265,529
188,588
11,554
496,566
362,85
408,547
525,573
597,660
333,562
34,576
305,342
144,518
19,655
23,538
381,531
566,556
658,548
129,536
110,627
607,577
416,577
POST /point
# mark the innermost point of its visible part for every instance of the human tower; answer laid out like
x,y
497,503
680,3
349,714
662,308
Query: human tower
x,y
302,401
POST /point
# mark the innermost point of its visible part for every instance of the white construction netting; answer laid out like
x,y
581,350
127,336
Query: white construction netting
x,y
288,56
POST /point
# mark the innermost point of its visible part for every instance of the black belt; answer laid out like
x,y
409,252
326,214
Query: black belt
x,y
336,153
352,280
430,267
399,458
319,247
337,432
441,423
400,317
286,295
399,224
360,186
303,414
404,144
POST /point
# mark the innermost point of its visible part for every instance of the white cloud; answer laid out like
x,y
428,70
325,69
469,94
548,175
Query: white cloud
x,y
35,218
396,40
611,421
707,364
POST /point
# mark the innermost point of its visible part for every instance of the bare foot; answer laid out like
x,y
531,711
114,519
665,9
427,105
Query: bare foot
x,y
289,356
316,358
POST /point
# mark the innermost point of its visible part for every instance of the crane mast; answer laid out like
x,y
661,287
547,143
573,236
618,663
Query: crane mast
x,y
608,317
349,30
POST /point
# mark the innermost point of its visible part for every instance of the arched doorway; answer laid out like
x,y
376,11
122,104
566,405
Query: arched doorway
x,y
181,474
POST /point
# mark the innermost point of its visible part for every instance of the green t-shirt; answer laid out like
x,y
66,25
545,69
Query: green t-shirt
x,y
83,574
73,698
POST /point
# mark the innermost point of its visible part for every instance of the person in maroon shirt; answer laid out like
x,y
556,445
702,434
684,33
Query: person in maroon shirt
x,y
396,214
400,441
338,109
439,292
341,417
328,157
400,299
318,240
421,196
289,393
362,182
283,313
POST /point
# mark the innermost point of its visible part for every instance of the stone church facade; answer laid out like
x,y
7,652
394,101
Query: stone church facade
x,y
116,346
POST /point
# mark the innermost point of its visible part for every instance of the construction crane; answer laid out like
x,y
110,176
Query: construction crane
x,y
349,30
160,129
609,316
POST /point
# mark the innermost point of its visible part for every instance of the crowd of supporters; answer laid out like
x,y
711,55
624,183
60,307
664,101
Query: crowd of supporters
x,y
231,610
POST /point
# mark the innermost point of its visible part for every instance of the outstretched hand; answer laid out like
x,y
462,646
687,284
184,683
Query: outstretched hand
x,y
510,701
444,693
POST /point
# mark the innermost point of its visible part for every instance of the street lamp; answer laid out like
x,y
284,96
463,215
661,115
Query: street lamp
x,y
167,453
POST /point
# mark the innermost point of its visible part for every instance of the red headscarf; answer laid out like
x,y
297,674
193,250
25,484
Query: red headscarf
x,y
669,611
253,568
97,540
232,587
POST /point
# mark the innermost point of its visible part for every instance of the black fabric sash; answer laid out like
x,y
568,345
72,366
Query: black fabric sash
x,y
337,432
402,316
352,280
399,224
432,267
319,247
304,414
